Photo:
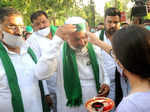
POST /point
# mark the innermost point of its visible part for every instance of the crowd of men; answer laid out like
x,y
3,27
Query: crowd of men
x,y
45,68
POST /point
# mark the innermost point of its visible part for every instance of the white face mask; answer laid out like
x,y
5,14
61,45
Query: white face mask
x,y
44,32
12,40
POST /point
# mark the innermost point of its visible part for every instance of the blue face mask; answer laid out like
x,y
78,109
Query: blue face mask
x,y
147,27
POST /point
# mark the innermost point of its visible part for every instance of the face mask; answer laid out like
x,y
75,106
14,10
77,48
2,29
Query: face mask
x,y
44,32
12,40
147,27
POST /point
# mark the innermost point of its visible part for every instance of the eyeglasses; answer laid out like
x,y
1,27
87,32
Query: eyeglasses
x,y
41,22
15,27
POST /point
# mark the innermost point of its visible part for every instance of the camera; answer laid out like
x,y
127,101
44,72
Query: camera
x,y
139,9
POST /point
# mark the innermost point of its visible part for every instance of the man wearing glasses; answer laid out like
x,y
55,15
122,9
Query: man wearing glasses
x,y
20,72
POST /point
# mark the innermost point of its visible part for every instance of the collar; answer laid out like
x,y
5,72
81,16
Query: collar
x,y
82,52
23,49
106,39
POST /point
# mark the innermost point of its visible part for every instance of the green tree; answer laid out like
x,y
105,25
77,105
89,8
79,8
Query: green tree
x,y
57,10
52,7
121,5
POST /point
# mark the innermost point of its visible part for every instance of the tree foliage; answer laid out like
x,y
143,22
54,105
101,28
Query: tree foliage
x,y
57,10
121,5
54,8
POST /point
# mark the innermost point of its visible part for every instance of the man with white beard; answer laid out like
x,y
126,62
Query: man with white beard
x,y
80,70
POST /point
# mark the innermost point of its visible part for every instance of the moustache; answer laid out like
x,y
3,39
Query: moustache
x,y
18,34
111,31
42,28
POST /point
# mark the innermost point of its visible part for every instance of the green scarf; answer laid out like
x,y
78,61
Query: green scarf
x,y
17,102
44,103
53,29
101,35
72,84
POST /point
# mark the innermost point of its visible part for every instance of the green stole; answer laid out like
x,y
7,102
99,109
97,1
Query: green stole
x,y
17,102
53,29
101,35
72,84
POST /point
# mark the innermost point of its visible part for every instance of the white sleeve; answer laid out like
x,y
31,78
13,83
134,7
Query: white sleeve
x,y
104,77
47,63
97,33
119,69
46,91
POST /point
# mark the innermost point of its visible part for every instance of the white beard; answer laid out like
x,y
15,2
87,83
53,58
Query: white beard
x,y
80,51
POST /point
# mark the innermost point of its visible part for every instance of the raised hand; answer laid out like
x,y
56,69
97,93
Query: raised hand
x,y
65,30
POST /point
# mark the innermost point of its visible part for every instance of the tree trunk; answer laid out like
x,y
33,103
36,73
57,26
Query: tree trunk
x,y
93,13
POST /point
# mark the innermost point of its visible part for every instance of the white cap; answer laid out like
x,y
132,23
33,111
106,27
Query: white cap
x,y
75,20
78,21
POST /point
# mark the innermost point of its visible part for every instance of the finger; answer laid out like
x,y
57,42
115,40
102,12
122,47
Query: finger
x,y
104,91
103,94
101,90
69,26
66,26
89,34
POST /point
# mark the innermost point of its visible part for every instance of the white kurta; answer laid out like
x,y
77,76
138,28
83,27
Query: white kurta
x,y
28,75
28,83
39,45
110,66
86,79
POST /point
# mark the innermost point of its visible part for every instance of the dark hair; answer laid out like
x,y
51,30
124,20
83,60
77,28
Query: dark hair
x,y
37,14
101,23
112,12
124,24
7,11
146,21
131,46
